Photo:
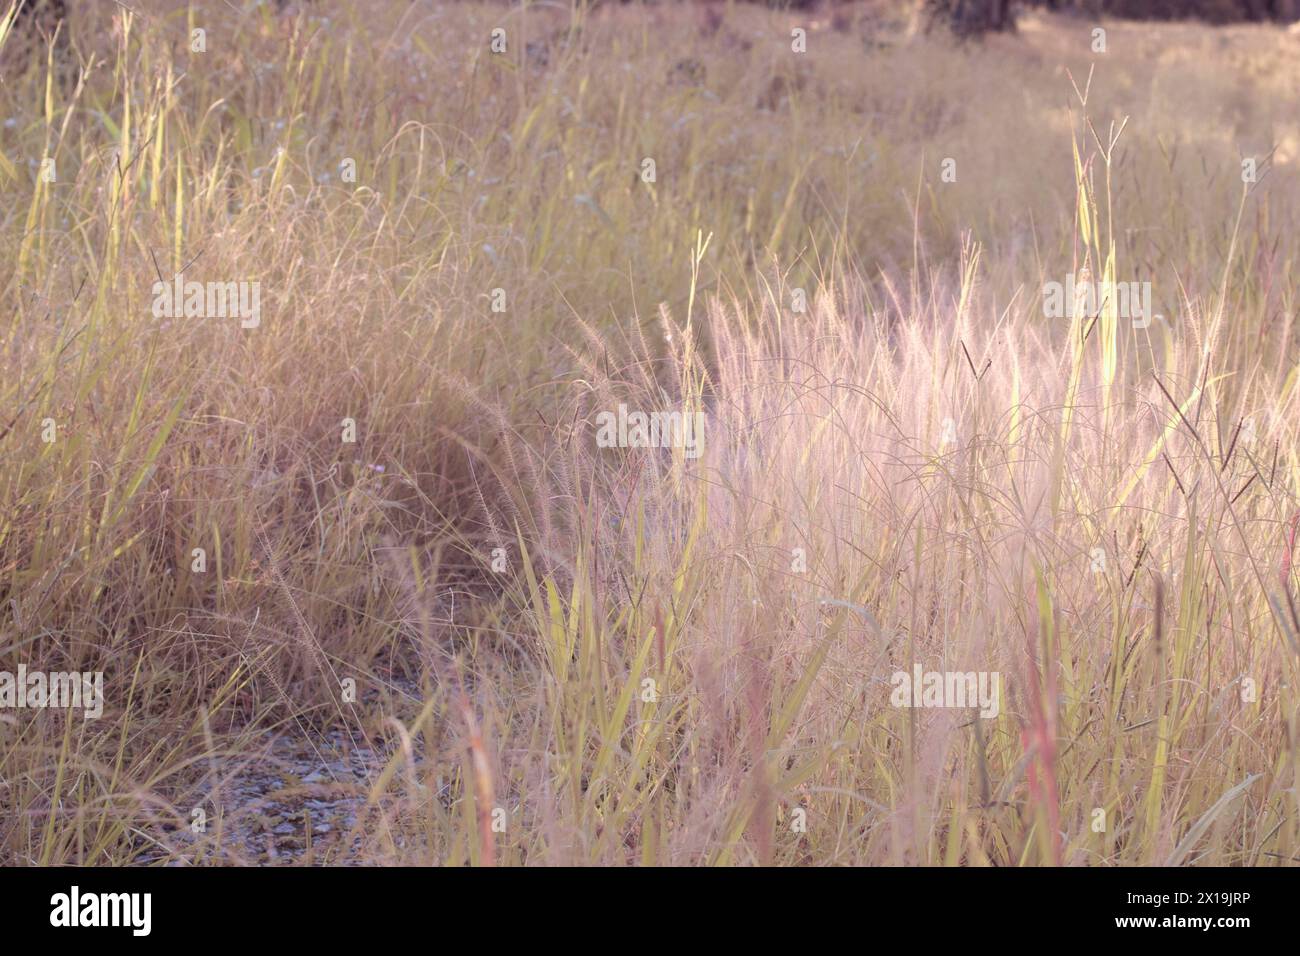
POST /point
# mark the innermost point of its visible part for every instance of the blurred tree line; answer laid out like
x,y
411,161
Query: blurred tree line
x,y
968,17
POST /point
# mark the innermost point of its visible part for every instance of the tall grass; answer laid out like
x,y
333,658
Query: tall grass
x,y
575,654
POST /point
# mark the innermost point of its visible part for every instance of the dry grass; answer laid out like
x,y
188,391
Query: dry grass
x,y
919,468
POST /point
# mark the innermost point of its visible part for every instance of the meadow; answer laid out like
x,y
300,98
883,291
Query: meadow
x,y
365,588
